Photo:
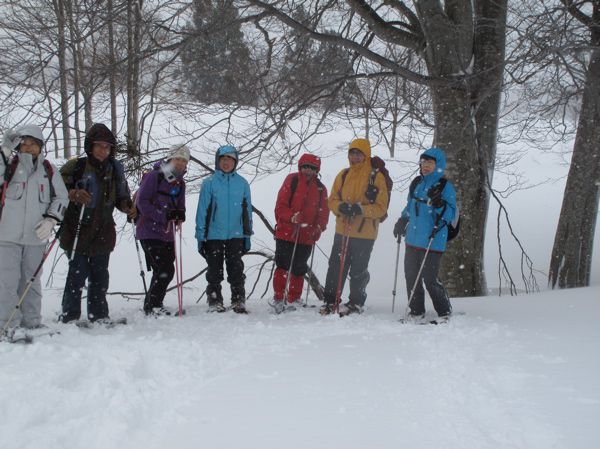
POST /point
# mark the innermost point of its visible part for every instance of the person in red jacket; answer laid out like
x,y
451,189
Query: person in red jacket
x,y
302,215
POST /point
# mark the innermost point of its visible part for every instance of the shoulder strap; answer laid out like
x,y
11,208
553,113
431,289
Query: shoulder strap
x,y
293,187
80,164
344,174
50,174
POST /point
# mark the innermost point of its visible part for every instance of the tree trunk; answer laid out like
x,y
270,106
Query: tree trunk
x,y
113,68
571,260
133,68
59,10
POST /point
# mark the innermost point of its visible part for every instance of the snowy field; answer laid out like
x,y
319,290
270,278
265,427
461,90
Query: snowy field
x,y
506,373
510,372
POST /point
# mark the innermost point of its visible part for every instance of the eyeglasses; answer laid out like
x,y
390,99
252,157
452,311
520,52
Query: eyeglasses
x,y
308,167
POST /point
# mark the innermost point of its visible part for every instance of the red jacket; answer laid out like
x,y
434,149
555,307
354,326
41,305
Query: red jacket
x,y
310,199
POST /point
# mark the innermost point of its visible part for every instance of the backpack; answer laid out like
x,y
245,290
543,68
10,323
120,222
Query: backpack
x,y
9,172
435,196
377,166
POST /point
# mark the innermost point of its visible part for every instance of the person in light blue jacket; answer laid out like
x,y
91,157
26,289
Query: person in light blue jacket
x,y
431,207
223,229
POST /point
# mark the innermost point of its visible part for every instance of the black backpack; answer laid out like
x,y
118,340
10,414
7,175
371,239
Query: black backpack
x,y
435,198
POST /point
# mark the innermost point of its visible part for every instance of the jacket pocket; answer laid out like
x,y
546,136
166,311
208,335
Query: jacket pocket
x,y
15,191
44,190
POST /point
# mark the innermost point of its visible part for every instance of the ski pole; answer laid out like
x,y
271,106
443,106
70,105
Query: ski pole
x,y
180,269
289,271
177,269
30,282
137,248
312,256
417,279
396,274
343,251
77,233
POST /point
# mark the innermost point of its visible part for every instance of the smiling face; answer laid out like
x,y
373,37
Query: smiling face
x,y
226,164
179,164
355,156
30,146
309,171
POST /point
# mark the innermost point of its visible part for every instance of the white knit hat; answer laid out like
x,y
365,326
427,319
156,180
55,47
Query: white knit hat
x,y
179,151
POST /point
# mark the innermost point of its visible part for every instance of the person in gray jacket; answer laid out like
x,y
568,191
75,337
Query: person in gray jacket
x,y
33,201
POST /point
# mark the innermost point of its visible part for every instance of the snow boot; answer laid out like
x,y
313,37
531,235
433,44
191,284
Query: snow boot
x,y
239,307
326,309
349,308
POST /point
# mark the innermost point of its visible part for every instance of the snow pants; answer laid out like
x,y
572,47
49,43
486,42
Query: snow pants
x,y
413,258
95,270
298,268
160,256
229,252
17,265
358,254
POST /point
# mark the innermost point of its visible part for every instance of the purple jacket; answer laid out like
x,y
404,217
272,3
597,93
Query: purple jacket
x,y
155,197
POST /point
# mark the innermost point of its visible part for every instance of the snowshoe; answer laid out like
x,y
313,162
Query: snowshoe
x,y
107,323
277,306
326,309
217,307
239,307
16,335
349,308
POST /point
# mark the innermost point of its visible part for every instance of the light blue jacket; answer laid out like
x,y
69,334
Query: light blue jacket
x,y
224,206
422,215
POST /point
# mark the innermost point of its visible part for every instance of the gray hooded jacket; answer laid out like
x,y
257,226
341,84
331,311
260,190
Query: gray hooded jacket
x,y
28,200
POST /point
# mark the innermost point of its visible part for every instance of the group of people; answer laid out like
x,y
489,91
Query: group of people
x,y
82,196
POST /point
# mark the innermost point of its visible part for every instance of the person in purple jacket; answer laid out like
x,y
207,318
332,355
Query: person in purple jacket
x,y
160,202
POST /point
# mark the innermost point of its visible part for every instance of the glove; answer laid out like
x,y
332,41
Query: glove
x,y
356,210
10,141
345,209
44,228
202,249
436,229
132,214
176,215
400,228
80,196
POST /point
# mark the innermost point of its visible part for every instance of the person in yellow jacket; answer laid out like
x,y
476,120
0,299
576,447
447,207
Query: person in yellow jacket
x,y
358,207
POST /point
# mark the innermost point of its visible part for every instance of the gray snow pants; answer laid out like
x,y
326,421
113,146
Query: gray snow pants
x,y
17,265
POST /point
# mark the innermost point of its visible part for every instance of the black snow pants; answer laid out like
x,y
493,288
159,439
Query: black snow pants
x,y
230,252
160,256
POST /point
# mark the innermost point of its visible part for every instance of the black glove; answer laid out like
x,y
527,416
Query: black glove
x,y
436,229
202,249
345,209
400,228
356,210
176,215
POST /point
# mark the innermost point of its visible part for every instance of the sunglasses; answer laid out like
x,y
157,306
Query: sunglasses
x,y
309,167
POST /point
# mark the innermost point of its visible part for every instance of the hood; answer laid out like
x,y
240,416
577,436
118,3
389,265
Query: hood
x,y
440,161
99,132
309,159
363,145
226,150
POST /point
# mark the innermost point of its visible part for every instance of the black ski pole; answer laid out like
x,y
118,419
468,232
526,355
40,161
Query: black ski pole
x,y
396,273
137,248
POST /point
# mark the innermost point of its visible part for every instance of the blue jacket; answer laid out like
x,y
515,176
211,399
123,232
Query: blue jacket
x,y
423,216
224,206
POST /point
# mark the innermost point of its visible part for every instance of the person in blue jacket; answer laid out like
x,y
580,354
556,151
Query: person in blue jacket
x,y
223,229
431,207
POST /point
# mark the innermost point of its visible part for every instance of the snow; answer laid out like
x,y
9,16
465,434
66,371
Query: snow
x,y
506,372
510,372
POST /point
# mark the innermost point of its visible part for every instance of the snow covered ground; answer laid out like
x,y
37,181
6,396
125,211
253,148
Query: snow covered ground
x,y
506,372
510,372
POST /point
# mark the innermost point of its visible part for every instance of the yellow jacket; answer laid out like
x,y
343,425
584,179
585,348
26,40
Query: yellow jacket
x,y
352,191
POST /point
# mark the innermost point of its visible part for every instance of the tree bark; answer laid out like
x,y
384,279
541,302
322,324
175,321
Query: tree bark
x,y
59,11
571,260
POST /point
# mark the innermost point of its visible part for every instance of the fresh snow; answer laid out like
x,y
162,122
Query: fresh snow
x,y
510,372
506,373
